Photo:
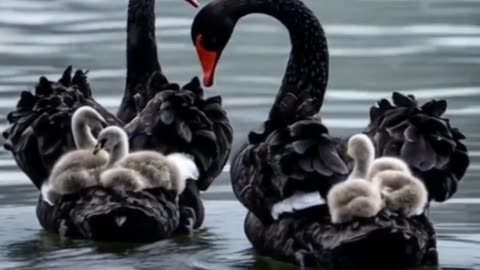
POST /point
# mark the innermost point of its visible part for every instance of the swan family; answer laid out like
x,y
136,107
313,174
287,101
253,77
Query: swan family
x,y
313,199
295,178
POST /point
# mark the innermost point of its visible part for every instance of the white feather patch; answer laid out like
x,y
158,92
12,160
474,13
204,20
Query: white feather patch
x,y
186,165
298,201
48,195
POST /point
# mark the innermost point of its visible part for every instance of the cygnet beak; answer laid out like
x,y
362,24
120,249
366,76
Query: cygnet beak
x,y
97,148
350,152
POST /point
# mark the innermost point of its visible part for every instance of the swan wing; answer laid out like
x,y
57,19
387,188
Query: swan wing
x,y
301,157
182,120
423,138
39,131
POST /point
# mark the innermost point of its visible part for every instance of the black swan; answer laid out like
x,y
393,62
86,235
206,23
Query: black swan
x,y
293,152
161,116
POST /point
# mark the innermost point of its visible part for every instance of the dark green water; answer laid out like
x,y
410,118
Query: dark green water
x,y
427,48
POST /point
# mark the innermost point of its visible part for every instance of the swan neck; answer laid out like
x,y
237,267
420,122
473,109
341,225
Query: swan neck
x,y
82,134
142,58
119,151
307,68
360,168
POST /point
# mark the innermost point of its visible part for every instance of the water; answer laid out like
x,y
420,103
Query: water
x,y
427,48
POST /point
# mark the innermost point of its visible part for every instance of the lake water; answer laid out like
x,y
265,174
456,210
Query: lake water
x,y
430,48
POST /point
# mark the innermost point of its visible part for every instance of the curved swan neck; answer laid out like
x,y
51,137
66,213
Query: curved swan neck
x,y
360,168
142,59
307,68
119,151
82,134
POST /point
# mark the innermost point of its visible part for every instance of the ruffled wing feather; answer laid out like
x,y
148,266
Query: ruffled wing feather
x,y
39,131
182,120
299,157
423,138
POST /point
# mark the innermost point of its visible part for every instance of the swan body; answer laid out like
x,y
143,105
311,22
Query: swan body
x,y
157,170
122,179
402,192
389,175
77,169
361,149
142,169
281,157
114,140
39,134
354,198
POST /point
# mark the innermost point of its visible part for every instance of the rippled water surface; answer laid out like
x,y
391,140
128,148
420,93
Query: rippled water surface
x,y
423,47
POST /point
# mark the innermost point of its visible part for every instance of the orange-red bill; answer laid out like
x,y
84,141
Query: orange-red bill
x,y
208,60
193,3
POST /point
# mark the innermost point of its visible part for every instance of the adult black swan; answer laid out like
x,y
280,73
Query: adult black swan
x,y
293,154
162,116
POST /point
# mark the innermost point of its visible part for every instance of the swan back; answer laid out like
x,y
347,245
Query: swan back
x,y
85,119
298,201
402,191
74,171
122,178
353,198
154,167
387,163
362,150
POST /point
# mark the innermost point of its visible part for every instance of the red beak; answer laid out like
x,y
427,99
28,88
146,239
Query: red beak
x,y
208,60
194,3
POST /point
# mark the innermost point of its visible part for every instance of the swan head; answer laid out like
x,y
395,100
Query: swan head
x,y
112,139
211,30
85,120
88,116
360,147
194,3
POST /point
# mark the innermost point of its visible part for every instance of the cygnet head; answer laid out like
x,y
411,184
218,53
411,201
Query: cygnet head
x,y
88,116
114,140
360,147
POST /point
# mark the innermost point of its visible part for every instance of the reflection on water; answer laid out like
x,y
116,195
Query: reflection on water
x,y
426,48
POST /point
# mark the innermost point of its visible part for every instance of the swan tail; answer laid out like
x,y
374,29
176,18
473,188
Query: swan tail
x,y
185,122
425,140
